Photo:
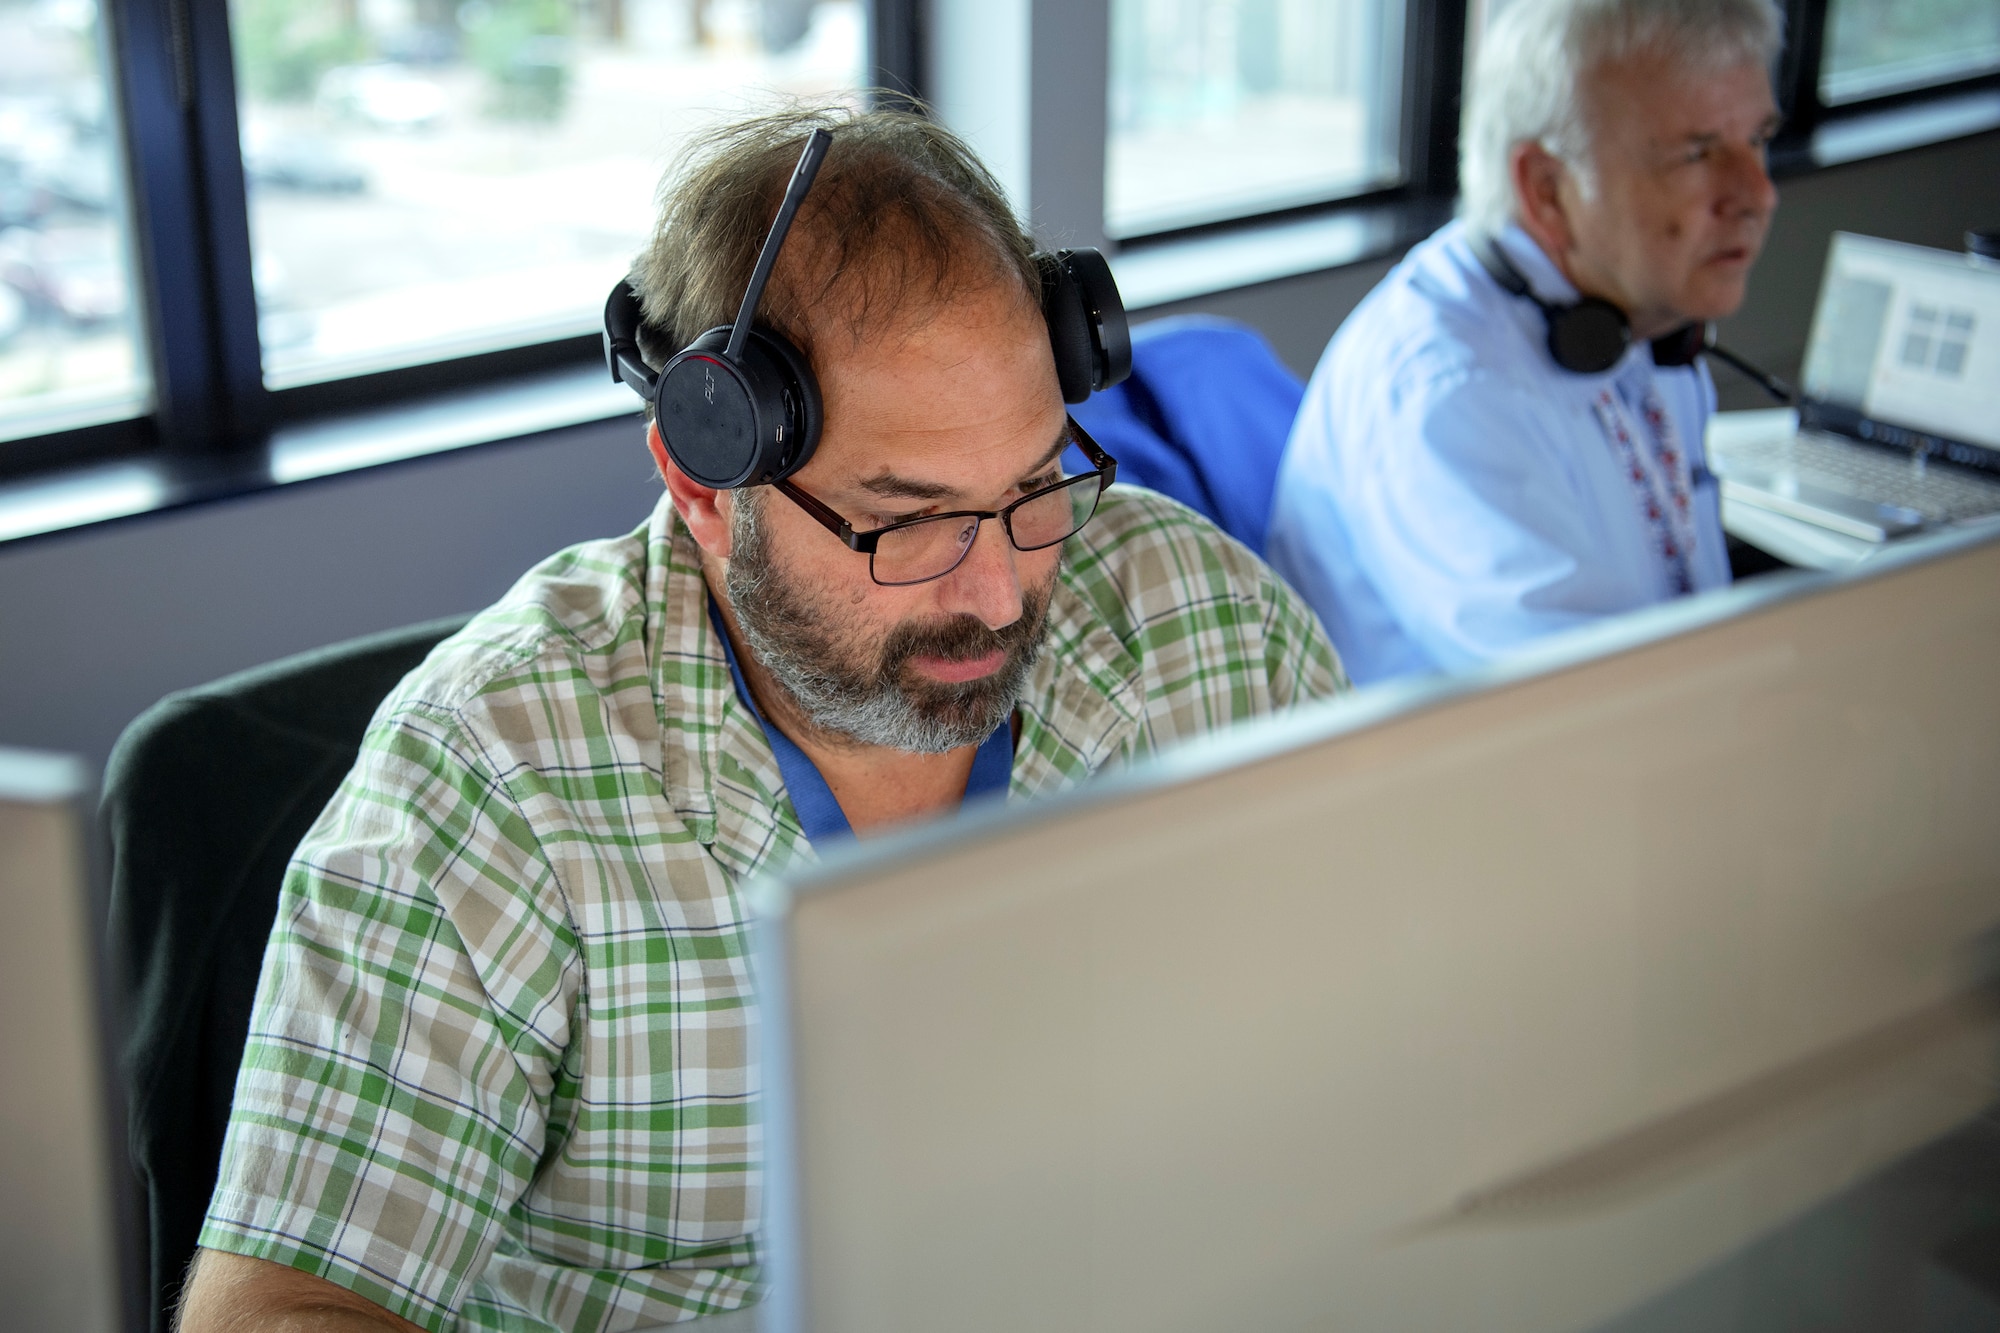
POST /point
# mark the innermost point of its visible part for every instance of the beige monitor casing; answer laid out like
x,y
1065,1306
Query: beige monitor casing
x,y
58,1240
1502,1004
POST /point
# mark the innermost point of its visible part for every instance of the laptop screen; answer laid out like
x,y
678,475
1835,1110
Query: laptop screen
x,y
1909,336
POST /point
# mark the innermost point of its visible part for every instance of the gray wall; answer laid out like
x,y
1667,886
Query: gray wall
x,y
1298,315
97,624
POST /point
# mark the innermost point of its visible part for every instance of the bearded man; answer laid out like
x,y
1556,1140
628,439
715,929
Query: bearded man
x,y
498,1075
1504,440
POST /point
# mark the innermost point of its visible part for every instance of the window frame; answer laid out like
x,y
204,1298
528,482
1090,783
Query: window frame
x,y
172,89
1433,68
1798,93
172,86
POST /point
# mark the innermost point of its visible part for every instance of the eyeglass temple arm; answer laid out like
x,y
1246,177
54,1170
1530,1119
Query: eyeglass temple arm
x,y
1094,451
828,519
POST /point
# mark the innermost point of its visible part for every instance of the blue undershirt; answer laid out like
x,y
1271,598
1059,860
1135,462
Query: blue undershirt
x,y
819,811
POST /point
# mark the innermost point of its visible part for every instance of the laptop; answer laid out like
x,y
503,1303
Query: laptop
x,y
1899,421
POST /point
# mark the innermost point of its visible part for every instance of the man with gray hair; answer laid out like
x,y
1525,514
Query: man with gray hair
x,y
1504,439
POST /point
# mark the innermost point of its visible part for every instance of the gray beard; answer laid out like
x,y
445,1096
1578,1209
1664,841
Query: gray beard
x,y
800,645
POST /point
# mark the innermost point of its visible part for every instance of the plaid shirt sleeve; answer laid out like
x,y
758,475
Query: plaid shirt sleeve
x,y
409,1034
1216,637
1299,660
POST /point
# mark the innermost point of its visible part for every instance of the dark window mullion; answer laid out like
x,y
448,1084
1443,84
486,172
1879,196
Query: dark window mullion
x,y
192,234
219,155
173,287
1798,76
896,45
1433,88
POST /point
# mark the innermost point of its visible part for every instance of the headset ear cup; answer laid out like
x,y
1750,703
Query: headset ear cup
x,y
1104,315
1681,347
799,405
746,422
706,411
1069,329
1588,337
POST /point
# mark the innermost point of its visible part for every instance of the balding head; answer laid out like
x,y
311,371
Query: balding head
x,y
901,221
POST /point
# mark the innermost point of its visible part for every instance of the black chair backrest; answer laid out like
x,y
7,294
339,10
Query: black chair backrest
x,y
205,797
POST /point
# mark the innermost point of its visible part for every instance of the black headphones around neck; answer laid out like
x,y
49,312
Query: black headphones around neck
x,y
740,406
1589,335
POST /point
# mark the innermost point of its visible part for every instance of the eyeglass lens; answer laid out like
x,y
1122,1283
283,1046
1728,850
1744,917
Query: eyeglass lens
x,y
933,548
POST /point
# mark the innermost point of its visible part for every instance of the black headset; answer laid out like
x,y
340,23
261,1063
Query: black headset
x,y
1589,335
740,406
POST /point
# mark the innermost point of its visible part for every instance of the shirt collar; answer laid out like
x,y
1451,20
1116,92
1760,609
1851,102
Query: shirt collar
x,y
1544,278
1079,710
1633,369
715,764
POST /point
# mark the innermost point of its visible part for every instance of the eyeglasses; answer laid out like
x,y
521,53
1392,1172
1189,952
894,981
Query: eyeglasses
x,y
918,550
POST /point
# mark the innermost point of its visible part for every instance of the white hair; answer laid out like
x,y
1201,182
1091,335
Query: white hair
x,y
1533,58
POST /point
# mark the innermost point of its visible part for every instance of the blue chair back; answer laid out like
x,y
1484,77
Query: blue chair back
x,y
1203,419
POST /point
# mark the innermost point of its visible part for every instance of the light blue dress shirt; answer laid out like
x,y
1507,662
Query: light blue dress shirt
x,y
1449,493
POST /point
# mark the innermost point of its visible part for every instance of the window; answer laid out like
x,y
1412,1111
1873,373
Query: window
x,y
68,351
1224,108
1877,47
437,194
432,178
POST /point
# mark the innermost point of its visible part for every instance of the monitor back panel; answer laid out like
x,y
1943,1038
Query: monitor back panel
x,y
1507,1010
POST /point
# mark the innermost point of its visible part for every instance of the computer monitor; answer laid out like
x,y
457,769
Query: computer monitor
x,y
1546,999
1908,338
60,1247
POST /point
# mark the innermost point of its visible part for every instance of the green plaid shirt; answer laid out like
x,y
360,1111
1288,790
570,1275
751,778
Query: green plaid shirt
x,y
498,1072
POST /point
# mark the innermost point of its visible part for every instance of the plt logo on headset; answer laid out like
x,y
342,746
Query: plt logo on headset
x,y
1589,335
740,406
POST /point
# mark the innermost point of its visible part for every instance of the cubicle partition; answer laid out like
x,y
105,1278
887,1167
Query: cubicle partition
x,y
61,1242
1548,999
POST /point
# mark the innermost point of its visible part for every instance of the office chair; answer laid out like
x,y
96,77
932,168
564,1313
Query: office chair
x,y
1204,419
205,796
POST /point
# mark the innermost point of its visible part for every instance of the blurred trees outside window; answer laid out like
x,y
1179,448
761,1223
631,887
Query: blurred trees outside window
x,y
1225,108
432,178
1875,47
69,345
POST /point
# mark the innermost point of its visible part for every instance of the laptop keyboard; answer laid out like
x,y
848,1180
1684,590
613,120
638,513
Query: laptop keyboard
x,y
1938,491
